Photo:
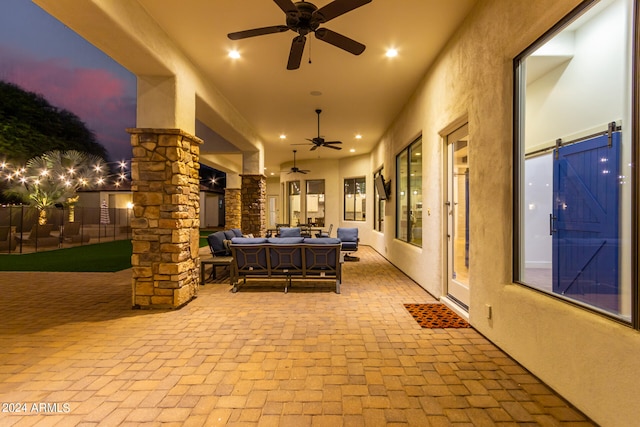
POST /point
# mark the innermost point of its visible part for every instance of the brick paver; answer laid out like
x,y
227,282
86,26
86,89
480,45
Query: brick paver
x,y
73,352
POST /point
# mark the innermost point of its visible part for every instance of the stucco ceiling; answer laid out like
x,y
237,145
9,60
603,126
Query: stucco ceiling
x,y
359,94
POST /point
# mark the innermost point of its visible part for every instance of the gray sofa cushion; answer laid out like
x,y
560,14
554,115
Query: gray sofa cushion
x,y
237,232
285,240
216,243
348,234
290,232
229,234
248,240
349,238
321,241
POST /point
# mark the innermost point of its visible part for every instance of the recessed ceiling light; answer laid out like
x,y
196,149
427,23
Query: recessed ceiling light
x,y
391,53
234,54
358,136
283,136
353,150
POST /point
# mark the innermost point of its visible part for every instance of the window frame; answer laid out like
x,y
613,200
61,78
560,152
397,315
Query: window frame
x,y
519,155
400,182
290,193
308,193
356,181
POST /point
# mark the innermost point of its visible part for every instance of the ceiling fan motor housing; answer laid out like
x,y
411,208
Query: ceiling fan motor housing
x,y
303,22
304,18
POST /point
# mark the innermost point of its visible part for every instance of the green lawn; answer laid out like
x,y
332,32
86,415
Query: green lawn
x,y
100,257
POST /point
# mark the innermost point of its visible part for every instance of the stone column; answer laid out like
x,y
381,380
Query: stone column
x,y
254,195
165,228
233,209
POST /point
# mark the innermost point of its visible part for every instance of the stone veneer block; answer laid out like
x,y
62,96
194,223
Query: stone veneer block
x,y
254,201
233,208
165,227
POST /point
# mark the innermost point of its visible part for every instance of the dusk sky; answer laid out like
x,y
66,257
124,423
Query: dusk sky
x,y
40,54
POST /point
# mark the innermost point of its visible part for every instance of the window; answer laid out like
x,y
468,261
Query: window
x,y
378,205
315,202
294,202
573,156
354,199
409,191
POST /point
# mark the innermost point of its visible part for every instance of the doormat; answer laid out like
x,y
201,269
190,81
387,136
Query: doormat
x,y
436,316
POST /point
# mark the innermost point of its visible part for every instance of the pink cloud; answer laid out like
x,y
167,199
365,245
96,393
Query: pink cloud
x,y
97,96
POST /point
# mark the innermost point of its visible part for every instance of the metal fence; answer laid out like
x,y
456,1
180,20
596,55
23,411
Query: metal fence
x,y
24,229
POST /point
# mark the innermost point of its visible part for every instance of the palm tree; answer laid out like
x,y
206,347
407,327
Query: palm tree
x,y
55,177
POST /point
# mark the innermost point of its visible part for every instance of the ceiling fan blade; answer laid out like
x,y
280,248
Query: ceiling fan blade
x,y
334,147
295,56
337,8
287,6
333,142
258,32
338,40
314,147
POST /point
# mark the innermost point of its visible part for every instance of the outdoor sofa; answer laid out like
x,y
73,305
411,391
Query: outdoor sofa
x,y
220,240
219,243
285,258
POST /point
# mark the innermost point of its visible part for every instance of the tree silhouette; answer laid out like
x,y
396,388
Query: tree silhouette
x,y
30,126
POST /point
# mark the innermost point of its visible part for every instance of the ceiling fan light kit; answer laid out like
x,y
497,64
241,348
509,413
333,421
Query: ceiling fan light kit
x,y
304,18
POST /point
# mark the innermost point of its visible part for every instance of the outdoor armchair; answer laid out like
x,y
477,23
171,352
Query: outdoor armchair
x,y
349,239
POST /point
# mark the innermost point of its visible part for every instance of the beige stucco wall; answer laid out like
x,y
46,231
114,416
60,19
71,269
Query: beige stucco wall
x,y
590,360
357,167
334,172
318,169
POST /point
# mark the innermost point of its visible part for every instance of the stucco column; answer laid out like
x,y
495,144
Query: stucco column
x,y
165,228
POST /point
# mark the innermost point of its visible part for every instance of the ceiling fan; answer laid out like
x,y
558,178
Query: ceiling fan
x,y
304,18
295,169
319,141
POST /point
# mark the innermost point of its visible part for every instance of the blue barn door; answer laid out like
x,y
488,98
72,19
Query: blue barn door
x,y
585,221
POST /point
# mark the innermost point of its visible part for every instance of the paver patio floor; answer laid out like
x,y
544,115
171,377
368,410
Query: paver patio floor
x,y
74,353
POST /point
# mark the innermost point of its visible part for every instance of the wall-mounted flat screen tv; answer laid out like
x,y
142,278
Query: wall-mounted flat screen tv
x,y
381,186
